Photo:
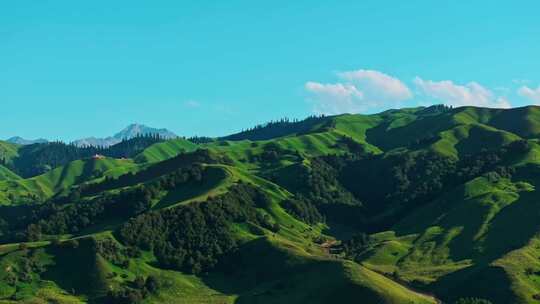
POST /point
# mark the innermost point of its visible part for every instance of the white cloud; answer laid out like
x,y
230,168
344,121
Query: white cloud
x,y
531,94
334,98
360,90
471,94
377,85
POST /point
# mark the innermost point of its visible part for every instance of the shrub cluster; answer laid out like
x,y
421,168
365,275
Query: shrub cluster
x,y
192,238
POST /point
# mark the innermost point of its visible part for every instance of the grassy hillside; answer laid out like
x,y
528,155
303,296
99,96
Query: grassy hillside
x,y
523,121
454,133
481,227
8,151
6,174
281,128
59,180
165,150
417,205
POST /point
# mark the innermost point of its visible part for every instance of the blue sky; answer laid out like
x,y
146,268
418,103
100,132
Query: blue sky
x,y
71,69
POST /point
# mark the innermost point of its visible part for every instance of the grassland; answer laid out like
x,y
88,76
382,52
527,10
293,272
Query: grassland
x,y
165,150
479,238
8,151
6,174
59,180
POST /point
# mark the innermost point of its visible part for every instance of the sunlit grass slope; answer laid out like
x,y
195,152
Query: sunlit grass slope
x,y
287,266
478,240
6,174
8,151
61,179
165,150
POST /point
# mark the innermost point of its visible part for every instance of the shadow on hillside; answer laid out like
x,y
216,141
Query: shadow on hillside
x,y
511,229
248,268
481,138
261,272
88,171
76,269
212,178
481,281
386,137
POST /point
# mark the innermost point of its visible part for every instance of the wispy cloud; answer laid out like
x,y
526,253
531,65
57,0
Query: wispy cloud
x,y
450,93
359,90
334,98
530,94
378,85
367,90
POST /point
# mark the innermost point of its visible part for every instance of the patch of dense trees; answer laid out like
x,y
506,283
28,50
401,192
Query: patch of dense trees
x,y
180,162
352,145
435,109
201,139
138,290
75,214
403,180
4,227
115,253
356,246
192,238
423,142
278,128
355,189
51,218
472,301
129,148
399,178
39,158
24,266
273,152
418,177
319,196
318,184
303,210
131,292
27,265
13,218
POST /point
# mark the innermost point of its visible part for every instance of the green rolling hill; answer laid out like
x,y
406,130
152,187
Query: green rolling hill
x,y
165,150
59,180
6,174
8,152
417,205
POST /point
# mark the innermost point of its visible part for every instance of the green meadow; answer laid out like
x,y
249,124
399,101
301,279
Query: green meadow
x,y
415,205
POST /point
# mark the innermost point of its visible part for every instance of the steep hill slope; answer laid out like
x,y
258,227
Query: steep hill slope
x,y
483,227
8,152
6,174
524,121
165,150
59,180
418,205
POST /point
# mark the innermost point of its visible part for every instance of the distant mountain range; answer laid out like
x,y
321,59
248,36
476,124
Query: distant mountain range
x,y
129,132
